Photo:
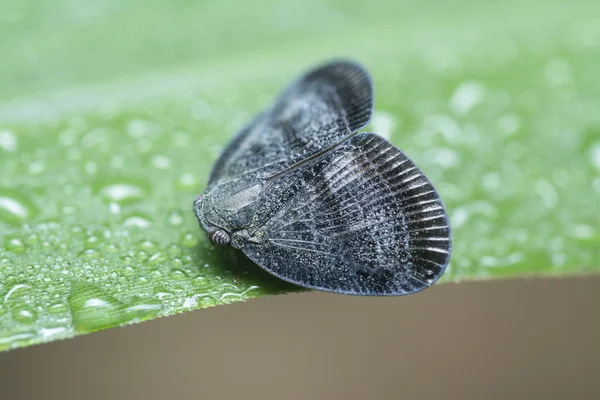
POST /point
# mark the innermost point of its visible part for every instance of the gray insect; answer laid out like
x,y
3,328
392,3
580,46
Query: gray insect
x,y
314,203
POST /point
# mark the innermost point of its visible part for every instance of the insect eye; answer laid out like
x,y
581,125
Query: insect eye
x,y
220,237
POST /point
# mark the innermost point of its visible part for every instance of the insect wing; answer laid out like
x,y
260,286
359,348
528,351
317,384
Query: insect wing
x,y
316,112
360,219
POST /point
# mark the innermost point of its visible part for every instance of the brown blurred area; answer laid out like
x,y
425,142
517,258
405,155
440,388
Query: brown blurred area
x,y
535,339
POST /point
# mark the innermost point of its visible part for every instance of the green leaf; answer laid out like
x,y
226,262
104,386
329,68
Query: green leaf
x,y
111,114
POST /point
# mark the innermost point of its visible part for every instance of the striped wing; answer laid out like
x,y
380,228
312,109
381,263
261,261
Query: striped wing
x,y
319,110
361,219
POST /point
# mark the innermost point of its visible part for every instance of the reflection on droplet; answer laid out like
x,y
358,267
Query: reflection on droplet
x,y
161,162
14,209
58,308
177,274
547,192
595,155
13,340
18,291
8,141
189,239
201,281
92,308
120,192
200,110
136,222
188,181
47,333
24,314
581,231
466,96
557,72
207,301
175,218
138,128
15,245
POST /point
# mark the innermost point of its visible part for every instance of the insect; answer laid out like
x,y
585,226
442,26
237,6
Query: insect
x,y
315,203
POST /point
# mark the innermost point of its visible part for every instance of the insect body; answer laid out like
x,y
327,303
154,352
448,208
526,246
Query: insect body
x,y
315,203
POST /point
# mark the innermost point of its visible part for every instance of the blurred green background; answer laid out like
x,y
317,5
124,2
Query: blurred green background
x,y
111,114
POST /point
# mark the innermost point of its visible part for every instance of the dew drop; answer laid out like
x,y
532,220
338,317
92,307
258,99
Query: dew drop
x,y
15,245
466,96
93,309
188,181
201,282
175,218
146,245
189,240
14,209
58,308
89,253
177,274
139,128
136,221
174,250
595,155
156,258
8,141
161,162
123,192
206,301
24,314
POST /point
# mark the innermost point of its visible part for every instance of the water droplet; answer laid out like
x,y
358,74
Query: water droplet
x,y
547,192
581,231
18,292
89,253
175,218
32,239
200,110
177,262
13,340
156,258
136,221
8,141
15,245
189,239
509,124
144,311
93,309
58,308
14,208
557,72
201,282
122,190
91,167
595,154
188,181
24,314
146,245
161,162
47,333
92,241
139,128
174,250
466,96
177,274
206,301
